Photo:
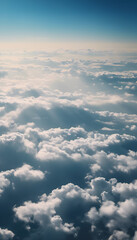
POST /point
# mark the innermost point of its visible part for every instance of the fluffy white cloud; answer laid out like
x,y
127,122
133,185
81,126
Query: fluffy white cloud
x,y
125,117
126,190
59,147
117,163
57,143
6,234
108,208
92,214
26,173
127,208
117,207
119,235
99,185
4,181
45,211
56,222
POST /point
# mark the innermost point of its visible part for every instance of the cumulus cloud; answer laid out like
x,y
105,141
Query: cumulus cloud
x,y
117,207
119,235
26,173
117,163
126,190
45,210
6,234
76,149
4,181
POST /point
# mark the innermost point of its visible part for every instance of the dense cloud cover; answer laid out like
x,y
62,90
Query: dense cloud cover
x,y
68,145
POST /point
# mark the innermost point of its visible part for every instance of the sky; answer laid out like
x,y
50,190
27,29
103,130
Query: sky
x,y
68,120
68,21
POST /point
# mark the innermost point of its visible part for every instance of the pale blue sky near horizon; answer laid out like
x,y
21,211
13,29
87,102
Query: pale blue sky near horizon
x,y
87,20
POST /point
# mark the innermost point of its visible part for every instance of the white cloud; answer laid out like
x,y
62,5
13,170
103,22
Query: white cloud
x,y
135,236
122,163
56,221
26,173
45,211
59,148
125,117
119,235
4,181
6,234
127,208
108,208
73,90
126,190
92,214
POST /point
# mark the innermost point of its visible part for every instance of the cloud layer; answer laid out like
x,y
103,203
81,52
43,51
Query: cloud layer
x,y
68,145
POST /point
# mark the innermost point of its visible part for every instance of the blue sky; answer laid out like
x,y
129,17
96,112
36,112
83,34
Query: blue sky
x,y
68,20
